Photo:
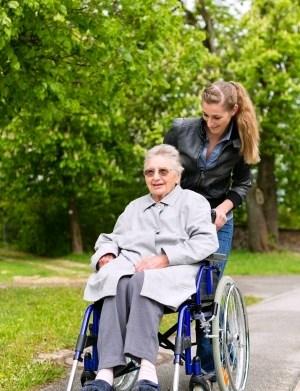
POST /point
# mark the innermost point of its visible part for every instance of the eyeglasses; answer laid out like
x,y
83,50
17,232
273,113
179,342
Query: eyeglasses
x,y
161,172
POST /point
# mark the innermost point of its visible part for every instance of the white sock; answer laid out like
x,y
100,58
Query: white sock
x,y
148,371
106,374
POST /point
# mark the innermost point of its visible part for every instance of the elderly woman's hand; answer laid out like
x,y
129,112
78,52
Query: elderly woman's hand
x,y
153,262
105,259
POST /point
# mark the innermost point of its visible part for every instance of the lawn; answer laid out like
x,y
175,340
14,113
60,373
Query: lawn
x,y
37,320
33,321
274,263
14,264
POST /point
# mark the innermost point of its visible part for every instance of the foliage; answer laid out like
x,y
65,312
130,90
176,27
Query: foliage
x,y
265,59
84,88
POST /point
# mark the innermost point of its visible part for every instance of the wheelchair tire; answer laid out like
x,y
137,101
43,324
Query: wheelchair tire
x,y
200,384
231,337
126,382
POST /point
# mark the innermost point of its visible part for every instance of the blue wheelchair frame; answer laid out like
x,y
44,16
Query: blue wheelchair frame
x,y
197,308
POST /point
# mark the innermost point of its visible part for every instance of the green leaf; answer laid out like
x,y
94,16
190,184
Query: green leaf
x,y
13,4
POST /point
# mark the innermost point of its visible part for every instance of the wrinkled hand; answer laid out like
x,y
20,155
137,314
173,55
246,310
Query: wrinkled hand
x,y
105,259
152,262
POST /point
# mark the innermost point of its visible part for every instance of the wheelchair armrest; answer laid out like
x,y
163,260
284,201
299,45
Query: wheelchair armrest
x,y
216,257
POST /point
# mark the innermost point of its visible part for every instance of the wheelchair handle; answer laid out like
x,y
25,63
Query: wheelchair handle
x,y
213,215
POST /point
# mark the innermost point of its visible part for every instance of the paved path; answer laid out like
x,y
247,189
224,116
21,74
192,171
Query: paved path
x,y
275,338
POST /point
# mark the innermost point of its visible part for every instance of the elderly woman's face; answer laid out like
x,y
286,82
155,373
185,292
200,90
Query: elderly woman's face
x,y
160,176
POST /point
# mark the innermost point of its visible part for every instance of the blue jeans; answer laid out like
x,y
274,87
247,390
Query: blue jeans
x,y
225,235
204,348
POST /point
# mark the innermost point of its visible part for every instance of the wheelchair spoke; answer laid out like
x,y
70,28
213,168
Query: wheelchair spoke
x,y
231,350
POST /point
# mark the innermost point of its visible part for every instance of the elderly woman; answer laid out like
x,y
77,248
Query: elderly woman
x,y
149,261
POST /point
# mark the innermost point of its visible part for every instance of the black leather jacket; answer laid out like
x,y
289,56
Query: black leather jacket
x,y
228,179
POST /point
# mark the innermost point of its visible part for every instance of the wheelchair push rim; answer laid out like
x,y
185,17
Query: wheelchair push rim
x,y
231,337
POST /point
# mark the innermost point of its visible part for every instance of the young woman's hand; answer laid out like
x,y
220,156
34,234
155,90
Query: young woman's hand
x,y
220,219
221,212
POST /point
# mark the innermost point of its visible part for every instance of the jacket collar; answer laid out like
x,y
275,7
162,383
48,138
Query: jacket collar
x,y
169,199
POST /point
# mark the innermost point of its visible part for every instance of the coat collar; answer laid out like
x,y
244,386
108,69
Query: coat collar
x,y
169,199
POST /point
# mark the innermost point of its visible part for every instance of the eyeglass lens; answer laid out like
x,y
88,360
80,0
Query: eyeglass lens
x,y
161,172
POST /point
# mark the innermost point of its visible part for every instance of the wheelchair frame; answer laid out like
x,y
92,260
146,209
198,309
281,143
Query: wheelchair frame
x,y
223,319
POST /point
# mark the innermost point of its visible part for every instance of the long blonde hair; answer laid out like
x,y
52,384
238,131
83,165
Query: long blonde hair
x,y
229,94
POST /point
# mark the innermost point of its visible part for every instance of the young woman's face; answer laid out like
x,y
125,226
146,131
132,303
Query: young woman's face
x,y
160,176
216,117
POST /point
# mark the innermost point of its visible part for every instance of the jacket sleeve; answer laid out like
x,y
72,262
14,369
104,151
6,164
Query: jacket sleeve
x,y
241,183
108,243
202,236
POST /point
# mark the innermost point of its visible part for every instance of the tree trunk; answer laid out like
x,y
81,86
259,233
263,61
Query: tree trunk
x,y
266,181
75,228
209,29
191,18
257,228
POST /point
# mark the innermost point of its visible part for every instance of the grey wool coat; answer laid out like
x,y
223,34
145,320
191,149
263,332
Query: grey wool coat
x,y
179,226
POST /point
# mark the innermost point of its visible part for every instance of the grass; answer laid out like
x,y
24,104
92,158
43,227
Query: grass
x,y
263,264
41,320
13,263
34,321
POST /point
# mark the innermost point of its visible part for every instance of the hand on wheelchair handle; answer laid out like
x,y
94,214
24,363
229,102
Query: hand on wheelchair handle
x,y
218,218
213,215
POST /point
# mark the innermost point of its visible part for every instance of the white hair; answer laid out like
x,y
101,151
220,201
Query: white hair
x,y
167,151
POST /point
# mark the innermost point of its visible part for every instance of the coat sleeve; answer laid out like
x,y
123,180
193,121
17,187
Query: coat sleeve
x,y
108,243
202,236
241,183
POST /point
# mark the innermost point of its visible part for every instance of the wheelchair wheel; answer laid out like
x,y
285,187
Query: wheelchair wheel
x,y
199,384
125,382
231,337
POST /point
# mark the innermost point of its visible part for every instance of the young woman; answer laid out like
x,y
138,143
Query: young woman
x,y
216,151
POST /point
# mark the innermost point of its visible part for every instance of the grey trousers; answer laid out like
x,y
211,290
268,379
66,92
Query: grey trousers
x,y
129,324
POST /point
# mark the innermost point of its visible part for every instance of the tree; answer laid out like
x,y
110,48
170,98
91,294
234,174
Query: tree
x,y
267,62
85,87
260,49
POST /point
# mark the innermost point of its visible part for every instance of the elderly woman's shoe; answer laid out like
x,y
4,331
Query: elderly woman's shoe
x,y
97,385
146,385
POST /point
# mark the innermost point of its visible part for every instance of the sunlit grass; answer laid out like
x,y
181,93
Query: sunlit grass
x,y
14,264
274,263
34,321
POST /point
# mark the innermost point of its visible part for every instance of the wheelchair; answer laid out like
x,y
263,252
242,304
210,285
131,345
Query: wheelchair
x,y
217,310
